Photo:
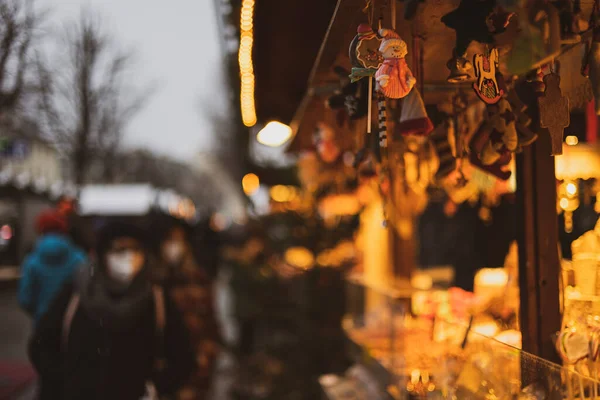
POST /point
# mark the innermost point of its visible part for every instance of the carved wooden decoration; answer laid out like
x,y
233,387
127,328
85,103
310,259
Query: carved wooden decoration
x,y
554,112
486,85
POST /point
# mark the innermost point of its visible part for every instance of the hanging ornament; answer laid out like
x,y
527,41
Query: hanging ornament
x,y
591,63
381,151
554,111
443,148
365,58
494,141
486,85
522,121
351,96
413,117
364,53
324,140
473,20
394,78
570,26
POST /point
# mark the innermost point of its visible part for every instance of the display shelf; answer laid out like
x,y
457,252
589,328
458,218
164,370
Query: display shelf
x,y
440,358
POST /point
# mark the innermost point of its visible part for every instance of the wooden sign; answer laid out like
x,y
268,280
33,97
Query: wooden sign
x,y
554,112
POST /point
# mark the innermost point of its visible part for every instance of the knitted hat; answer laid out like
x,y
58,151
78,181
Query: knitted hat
x,y
390,38
51,222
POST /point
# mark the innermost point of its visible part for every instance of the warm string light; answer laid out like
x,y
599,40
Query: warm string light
x,y
245,61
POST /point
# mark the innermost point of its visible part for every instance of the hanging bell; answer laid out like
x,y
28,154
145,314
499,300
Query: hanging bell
x,y
460,69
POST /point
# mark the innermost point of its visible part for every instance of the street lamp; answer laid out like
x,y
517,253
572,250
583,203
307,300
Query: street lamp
x,y
274,134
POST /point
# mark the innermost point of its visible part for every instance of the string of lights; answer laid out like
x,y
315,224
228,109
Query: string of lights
x,y
245,61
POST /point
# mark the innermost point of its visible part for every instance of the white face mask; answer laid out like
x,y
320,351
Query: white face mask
x,y
122,266
174,251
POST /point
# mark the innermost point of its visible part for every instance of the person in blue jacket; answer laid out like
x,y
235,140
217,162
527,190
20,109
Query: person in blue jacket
x,y
52,262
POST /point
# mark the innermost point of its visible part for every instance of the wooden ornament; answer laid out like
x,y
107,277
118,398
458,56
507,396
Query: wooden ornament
x,y
554,112
486,85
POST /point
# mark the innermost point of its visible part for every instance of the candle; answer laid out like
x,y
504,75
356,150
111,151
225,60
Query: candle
x,y
490,282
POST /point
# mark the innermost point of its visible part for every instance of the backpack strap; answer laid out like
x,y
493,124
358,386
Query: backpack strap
x,y
159,309
68,320
161,319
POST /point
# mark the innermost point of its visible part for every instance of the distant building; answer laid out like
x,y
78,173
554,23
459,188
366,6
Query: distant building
x,y
30,178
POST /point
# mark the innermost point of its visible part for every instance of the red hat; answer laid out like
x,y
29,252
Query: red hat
x,y
51,222
390,38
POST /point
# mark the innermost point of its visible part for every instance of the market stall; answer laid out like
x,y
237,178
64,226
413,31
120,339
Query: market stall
x,y
421,114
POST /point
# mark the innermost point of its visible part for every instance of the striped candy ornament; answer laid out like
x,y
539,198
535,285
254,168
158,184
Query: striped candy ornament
x,y
383,139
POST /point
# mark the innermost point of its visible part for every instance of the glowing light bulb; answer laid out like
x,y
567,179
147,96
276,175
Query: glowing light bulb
x,y
571,189
250,184
274,134
571,140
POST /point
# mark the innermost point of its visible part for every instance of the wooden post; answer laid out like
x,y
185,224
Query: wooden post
x,y
539,264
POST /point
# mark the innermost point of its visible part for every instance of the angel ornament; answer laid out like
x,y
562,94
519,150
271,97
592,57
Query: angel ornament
x,y
394,78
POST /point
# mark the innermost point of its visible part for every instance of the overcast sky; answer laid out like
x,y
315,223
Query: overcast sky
x,y
178,48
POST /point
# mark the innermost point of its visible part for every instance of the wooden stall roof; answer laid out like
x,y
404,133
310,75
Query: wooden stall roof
x,y
287,36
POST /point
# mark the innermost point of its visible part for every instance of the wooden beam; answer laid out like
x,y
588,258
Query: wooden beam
x,y
539,263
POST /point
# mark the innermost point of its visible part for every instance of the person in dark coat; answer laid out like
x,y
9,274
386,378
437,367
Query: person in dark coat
x,y
102,338
52,262
190,288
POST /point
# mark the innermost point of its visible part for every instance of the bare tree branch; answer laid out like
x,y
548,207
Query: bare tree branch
x,y
88,101
18,24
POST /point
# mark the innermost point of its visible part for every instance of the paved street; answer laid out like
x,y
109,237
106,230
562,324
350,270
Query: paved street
x,y
15,329
15,326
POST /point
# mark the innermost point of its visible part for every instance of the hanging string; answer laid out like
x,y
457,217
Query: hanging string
x,y
382,12
393,9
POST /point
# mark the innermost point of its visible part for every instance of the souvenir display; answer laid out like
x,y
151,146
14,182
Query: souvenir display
x,y
431,307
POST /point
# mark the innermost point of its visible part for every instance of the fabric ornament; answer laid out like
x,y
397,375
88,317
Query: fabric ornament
x,y
394,77
441,144
351,96
498,168
522,121
327,148
493,142
413,117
